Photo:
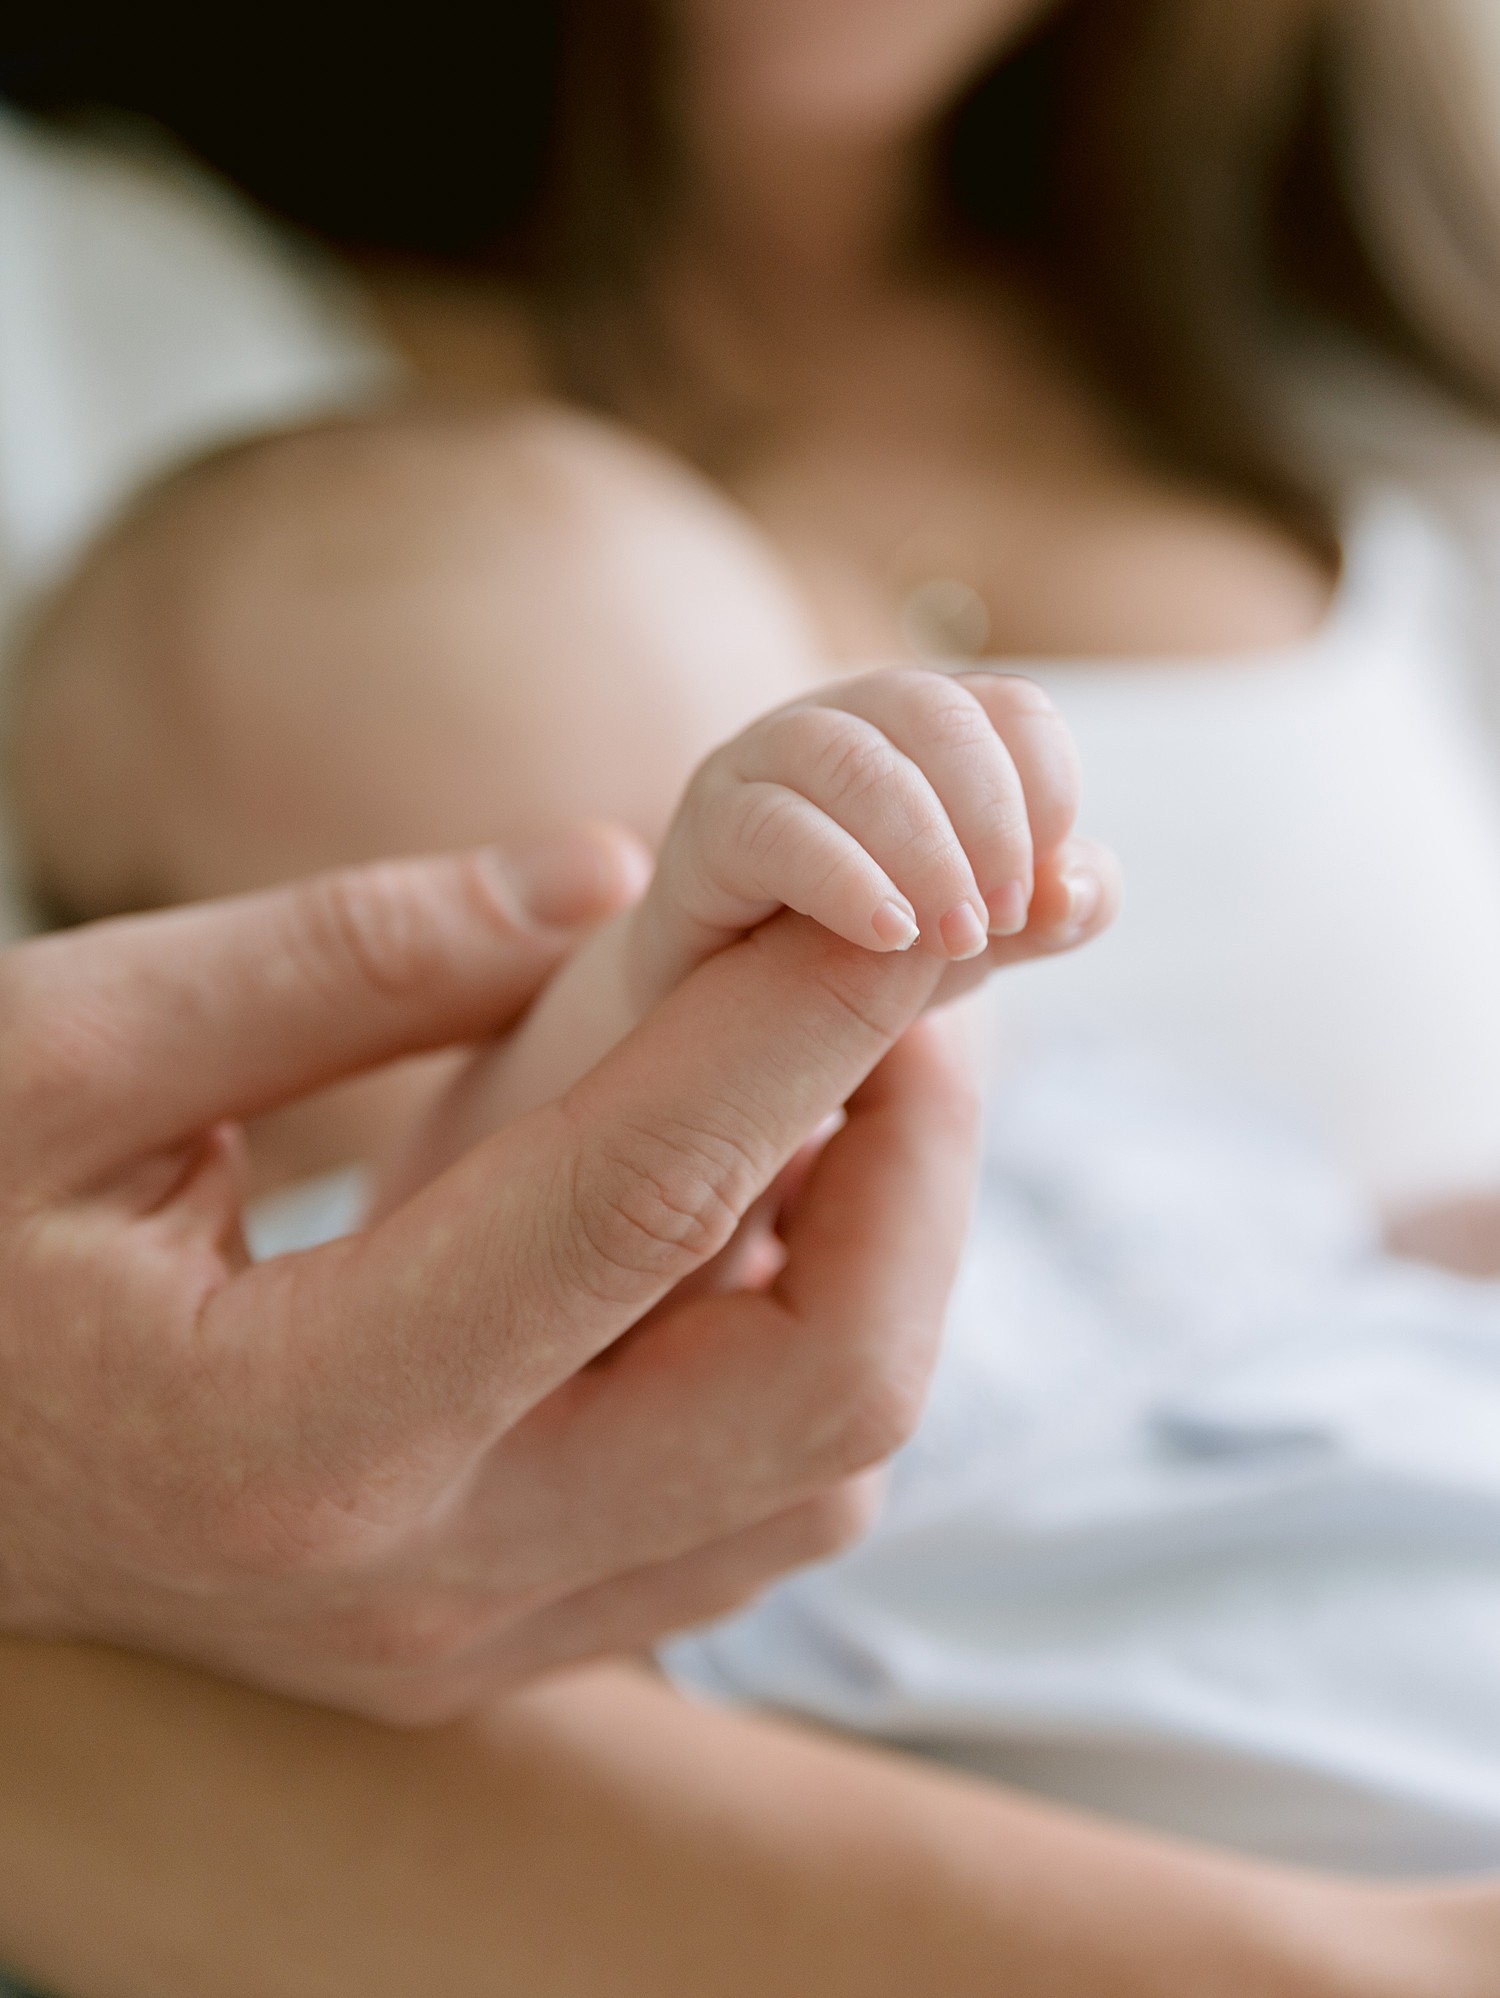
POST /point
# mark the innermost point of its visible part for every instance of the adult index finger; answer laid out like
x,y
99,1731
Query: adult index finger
x,y
725,1410
502,1278
130,1036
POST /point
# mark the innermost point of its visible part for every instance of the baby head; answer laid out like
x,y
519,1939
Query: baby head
x,y
425,629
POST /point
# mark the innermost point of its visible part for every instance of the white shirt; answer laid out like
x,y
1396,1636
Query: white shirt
x,y
1311,845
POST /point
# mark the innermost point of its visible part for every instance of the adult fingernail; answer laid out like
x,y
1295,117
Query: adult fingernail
x,y
1082,891
1008,910
895,925
962,932
565,882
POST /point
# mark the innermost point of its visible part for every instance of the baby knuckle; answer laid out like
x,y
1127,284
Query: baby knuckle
x,y
839,753
1005,822
894,684
799,735
1020,696
855,761
765,826
946,714
46,1056
958,729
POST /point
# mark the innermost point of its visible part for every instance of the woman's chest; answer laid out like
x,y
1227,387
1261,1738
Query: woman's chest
x,y
1312,861
939,489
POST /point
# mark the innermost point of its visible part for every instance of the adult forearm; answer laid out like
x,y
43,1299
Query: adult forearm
x,y
165,1834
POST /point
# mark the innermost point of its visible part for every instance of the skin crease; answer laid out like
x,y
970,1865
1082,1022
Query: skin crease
x,y
964,786
593,1836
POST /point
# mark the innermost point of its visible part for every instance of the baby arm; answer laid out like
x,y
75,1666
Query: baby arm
x,y
903,809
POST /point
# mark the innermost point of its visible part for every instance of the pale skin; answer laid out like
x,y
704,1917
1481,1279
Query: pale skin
x,y
901,810
727,1855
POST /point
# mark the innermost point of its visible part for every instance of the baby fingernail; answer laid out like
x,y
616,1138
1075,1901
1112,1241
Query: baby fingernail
x,y
1008,909
962,932
895,925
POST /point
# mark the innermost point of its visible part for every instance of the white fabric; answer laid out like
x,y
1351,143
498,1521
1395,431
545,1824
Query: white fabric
x,y
1203,1525
145,316
1311,842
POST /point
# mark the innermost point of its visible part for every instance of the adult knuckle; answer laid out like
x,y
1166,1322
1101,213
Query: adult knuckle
x,y
56,1043
654,1203
877,1412
421,1633
863,997
1005,821
370,921
946,714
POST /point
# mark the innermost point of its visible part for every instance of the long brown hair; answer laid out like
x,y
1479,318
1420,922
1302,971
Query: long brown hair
x,y
1184,180
1187,182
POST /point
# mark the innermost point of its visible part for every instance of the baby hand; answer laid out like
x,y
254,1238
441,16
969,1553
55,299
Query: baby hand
x,y
906,807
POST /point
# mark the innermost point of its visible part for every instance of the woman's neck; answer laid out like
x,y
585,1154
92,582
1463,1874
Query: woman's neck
x,y
791,220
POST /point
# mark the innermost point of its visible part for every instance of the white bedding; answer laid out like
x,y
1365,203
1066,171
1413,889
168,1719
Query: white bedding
x,y
145,317
1203,1523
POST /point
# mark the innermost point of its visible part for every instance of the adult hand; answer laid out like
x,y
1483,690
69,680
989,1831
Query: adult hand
x,y
397,1471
